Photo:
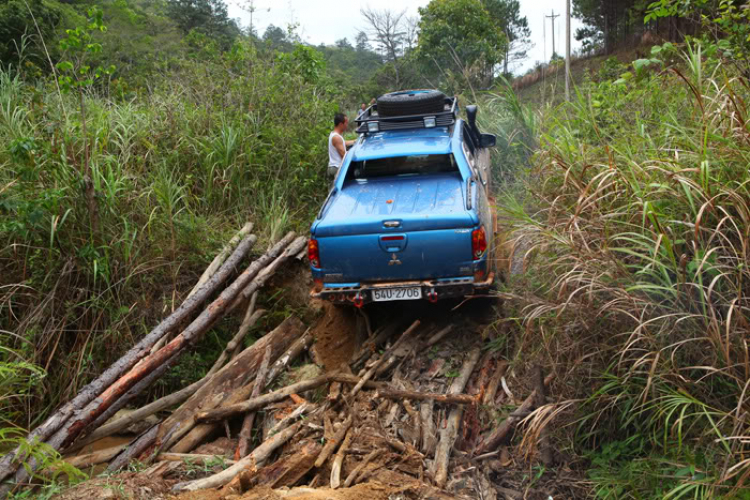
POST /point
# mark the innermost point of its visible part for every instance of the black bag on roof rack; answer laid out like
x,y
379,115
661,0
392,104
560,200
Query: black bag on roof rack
x,y
411,102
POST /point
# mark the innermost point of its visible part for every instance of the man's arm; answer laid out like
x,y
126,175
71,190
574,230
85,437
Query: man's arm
x,y
339,144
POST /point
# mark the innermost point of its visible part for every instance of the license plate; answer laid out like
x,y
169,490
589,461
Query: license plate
x,y
404,293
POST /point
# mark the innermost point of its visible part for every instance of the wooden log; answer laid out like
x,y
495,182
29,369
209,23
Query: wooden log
x,y
259,455
230,385
334,392
243,448
267,272
333,443
384,391
298,347
234,346
413,435
438,336
494,384
133,450
192,435
9,463
338,460
429,435
247,323
352,477
141,413
95,458
400,354
284,472
191,334
193,458
497,436
449,434
286,421
381,335
369,373
221,257
261,401
120,404
298,466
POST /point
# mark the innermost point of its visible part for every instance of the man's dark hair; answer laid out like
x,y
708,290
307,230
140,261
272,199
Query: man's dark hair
x,y
338,119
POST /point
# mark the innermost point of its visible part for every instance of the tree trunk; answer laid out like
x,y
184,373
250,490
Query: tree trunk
x,y
224,384
333,443
190,335
247,424
221,257
261,401
449,434
259,455
53,423
338,461
94,458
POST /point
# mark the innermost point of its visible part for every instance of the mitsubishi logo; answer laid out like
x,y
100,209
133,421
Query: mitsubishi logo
x,y
394,261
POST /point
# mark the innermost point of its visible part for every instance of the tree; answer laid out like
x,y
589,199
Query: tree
x,y
461,36
276,38
343,43
16,21
362,43
388,30
507,15
206,16
607,23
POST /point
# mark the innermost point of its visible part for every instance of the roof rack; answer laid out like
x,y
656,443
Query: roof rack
x,y
370,122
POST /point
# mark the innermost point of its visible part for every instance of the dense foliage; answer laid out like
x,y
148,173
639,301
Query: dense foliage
x,y
461,37
634,222
112,199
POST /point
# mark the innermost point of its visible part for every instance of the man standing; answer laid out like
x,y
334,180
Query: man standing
x,y
337,145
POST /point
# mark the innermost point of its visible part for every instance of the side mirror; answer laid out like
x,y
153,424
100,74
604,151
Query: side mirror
x,y
487,141
471,115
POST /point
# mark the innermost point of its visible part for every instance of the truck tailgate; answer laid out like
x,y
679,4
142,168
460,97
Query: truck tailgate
x,y
396,256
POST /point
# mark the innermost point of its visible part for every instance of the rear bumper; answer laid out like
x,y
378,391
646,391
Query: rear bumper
x,y
432,290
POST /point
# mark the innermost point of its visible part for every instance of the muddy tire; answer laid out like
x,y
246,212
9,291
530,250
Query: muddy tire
x,y
411,102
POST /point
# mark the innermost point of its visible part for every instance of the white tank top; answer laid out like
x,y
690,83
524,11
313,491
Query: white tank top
x,y
334,157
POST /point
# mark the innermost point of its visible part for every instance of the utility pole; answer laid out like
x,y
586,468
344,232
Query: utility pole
x,y
567,50
553,17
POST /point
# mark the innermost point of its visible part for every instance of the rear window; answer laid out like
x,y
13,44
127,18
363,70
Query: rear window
x,y
402,165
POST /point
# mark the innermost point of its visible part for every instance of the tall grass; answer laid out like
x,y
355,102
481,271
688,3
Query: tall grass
x,y
639,266
176,168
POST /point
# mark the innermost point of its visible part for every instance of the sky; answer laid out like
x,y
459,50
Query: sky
x,y
325,21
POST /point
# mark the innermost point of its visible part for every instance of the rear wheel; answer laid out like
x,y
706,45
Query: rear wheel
x,y
411,102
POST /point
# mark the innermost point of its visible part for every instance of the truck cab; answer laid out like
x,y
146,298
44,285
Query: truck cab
x,y
409,214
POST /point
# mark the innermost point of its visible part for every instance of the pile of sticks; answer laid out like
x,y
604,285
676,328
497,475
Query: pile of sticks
x,y
82,419
394,414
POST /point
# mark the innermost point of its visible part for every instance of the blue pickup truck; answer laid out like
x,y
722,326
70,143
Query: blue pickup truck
x,y
409,214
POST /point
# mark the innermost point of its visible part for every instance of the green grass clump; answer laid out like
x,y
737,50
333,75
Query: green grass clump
x,y
638,217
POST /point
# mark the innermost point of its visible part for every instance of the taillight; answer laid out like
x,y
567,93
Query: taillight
x,y
313,253
478,243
